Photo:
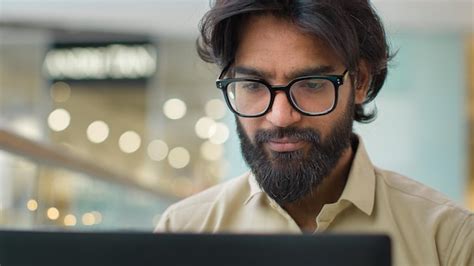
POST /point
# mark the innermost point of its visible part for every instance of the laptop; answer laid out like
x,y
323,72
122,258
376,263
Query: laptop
x,y
137,249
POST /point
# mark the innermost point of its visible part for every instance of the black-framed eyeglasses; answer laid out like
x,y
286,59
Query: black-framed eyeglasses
x,y
309,95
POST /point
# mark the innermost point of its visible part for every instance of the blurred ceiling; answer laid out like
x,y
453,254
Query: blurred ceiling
x,y
181,17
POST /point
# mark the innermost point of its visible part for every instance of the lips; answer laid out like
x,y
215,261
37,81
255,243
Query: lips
x,y
285,145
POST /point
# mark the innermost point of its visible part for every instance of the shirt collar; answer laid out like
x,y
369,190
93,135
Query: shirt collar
x,y
360,185
254,188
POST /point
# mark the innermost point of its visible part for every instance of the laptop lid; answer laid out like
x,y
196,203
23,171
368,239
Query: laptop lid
x,y
60,248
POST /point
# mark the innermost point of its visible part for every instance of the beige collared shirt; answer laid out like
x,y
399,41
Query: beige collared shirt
x,y
426,228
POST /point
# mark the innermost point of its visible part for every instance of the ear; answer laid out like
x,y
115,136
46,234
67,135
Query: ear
x,y
362,82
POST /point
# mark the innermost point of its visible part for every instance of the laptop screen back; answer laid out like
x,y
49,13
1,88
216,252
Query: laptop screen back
x,y
47,248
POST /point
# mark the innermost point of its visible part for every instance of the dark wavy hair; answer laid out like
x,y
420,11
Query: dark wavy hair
x,y
350,27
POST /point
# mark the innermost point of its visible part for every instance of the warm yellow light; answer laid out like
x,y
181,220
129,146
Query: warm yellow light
x,y
32,205
219,133
98,131
157,150
203,126
174,109
179,157
53,213
70,220
59,119
129,142
88,219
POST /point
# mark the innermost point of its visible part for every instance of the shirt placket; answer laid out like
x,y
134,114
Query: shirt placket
x,y
291,223
328,213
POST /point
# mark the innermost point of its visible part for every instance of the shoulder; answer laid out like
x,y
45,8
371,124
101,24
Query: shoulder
x,y
422,207
417,209
212,194
190,214
406,189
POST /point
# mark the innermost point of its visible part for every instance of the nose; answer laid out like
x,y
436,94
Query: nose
x,y
282,113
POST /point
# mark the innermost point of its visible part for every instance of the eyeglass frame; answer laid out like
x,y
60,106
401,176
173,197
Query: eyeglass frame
x,y
336,80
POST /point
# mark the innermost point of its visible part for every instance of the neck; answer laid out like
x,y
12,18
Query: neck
x,y
305,210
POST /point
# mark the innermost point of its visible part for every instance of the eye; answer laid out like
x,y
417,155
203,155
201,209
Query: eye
x,y
250,86
313,84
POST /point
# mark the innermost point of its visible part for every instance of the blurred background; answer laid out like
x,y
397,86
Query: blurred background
x,y
107,115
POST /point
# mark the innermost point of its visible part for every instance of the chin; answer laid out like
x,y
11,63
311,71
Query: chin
x,y
282,159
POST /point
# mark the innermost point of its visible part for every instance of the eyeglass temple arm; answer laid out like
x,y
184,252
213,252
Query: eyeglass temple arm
x,y
225,69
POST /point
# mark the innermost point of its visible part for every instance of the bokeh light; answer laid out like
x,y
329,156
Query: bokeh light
x,y
157,150
60,92
97,131
88,219
70,220
53,213
174,109
179,157
219,133
59,119
203,127
129,142
32,205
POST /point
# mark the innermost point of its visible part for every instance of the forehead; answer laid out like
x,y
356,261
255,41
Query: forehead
x,y
278,47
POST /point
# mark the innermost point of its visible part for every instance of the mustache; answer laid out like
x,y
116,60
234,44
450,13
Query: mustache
x,y
294,133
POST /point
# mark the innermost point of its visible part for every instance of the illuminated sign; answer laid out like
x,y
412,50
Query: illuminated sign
x,y
113,61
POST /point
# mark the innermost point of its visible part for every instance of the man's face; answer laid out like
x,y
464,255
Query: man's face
x,y
291,153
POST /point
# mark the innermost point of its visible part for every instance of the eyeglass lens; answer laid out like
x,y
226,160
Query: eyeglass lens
x,y
309,95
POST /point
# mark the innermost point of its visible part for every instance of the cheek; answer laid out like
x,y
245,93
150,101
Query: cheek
x,y
250,126
325,124
346,98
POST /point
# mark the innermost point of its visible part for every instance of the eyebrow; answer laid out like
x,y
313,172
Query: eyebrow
x,y
310,71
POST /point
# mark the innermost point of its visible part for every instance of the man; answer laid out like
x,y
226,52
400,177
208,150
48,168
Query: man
x,y
296,74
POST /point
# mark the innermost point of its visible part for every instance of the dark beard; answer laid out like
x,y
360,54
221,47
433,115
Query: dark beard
x,y
289,176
